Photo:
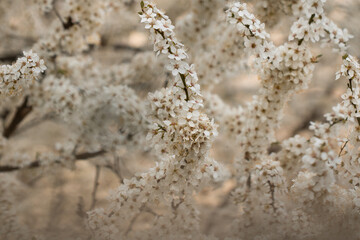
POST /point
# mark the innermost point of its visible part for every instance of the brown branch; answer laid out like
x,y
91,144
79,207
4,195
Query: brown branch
x,y
185,86
120,46
15,168
69,22
87,155
3,115
248,181
36,164
20,114
10,57
272,192
342,148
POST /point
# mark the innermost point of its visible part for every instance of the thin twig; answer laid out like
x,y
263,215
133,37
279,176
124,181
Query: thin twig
x,y
133,221
272,192
35,122
87,155
21,112
36,164
120,46
96,185
185,86
58,15
342,148
116,168
176,206
69,22
149,210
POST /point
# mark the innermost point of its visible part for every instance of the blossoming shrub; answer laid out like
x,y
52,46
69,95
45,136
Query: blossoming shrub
x,y
163,105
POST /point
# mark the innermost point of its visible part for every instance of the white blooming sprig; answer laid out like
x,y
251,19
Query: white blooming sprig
x,y
312,25
182,134
337,36
290,156
256,39
89,14
177,118
316,179
74,27
345,115
165,42
246,21
321,162
283,71
14,78
348,109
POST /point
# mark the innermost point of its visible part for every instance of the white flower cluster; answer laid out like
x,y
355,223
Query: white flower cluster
x,y
309,25
165,42
111,106
184,130
80,20
283,70
348,109
182,134
62,96
177,117
290,156
94,112
256,39
337,36
89,14
217,56
313,25
318,162
14,78
345,116
231,118
100,118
